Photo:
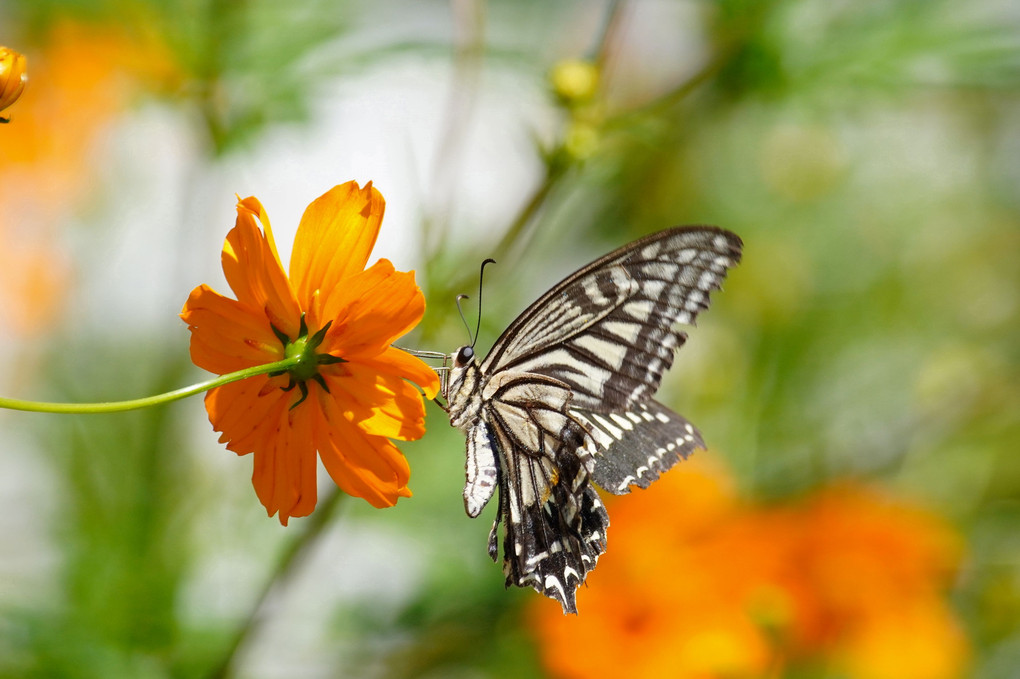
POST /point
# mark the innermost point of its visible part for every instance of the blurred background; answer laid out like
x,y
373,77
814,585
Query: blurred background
x,y
858,381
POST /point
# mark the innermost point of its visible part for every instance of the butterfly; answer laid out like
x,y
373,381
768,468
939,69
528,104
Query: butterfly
x,y
564,402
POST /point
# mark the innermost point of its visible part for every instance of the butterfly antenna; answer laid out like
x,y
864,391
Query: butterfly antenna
x,y
462,317
481,275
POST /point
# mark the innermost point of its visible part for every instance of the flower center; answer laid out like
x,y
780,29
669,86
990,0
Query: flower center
x,y
307,366
304,348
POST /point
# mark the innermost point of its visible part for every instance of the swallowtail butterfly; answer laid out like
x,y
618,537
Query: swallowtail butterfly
x,y
564,402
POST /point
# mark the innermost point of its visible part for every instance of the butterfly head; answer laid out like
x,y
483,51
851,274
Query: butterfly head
x,y
464,356
462,387
463,384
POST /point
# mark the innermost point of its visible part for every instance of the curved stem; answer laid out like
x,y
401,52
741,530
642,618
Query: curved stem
x,y
610,24
158,399
556,166
553,173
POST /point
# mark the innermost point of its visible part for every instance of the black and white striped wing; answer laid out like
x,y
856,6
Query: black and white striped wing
x,y
607,332
554,524
584,362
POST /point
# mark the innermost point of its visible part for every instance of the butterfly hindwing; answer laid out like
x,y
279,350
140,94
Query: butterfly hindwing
x,y
634,447
554,524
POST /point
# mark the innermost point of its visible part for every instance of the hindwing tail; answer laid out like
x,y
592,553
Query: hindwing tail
x,y
551,538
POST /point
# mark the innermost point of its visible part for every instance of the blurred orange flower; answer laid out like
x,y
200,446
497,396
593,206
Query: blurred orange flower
x,y
46,158
877,570
349,397
698,585
13,77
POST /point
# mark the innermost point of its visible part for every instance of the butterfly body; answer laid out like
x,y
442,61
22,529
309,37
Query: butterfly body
x,y
563,402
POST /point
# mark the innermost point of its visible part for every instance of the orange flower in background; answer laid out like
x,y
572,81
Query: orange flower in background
x,y
13,77
349,396
83,78
877,569
698,585
663,601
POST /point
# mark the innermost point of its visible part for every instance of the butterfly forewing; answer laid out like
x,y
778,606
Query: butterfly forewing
x,y
564,399
607,330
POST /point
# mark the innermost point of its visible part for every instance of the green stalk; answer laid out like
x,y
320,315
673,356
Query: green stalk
x,y
148,401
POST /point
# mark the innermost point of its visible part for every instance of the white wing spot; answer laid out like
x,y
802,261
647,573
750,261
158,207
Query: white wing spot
x,y
591,288
622,421
694,300
555,583
689,428
614,431
640,471
628,332
661,417
650,251
634,417
613,354
640,310
654,367
653,288
538,557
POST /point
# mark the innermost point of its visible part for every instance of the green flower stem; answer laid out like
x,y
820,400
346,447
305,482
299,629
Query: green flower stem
x,y
148,401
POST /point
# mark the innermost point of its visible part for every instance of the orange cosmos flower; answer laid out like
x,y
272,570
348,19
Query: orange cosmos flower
x,y
13,77
349,396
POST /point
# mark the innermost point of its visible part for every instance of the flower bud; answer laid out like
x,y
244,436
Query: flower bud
x,y
574,81
12,77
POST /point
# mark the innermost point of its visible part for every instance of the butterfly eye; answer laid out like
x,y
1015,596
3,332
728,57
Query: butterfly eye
x,y
465,355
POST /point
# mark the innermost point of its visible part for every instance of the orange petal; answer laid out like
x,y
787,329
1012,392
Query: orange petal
x,y
227,335
335,237
365,466
371,310
255,274
284,474
402,364
380,404
256,419
251,207
240,410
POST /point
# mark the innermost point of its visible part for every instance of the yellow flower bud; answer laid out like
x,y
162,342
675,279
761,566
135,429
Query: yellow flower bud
x,y
12,77
574,80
